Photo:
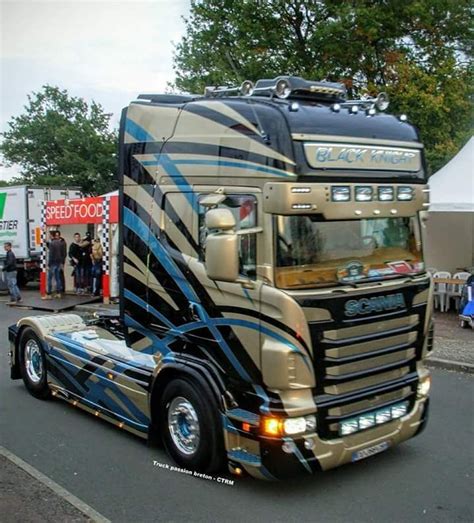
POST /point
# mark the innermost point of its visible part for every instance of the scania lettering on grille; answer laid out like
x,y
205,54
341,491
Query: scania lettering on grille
x,y
374,304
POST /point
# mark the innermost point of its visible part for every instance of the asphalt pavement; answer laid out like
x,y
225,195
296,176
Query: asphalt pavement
x,y
428,478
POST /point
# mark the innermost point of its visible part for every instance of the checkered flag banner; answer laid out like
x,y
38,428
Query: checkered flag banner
x,y
43,248
106,247
43,236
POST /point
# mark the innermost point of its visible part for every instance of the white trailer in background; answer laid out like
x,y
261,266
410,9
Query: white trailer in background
x,y
20,224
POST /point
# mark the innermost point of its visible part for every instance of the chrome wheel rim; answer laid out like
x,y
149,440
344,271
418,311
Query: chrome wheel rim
x,y
33,361
183,425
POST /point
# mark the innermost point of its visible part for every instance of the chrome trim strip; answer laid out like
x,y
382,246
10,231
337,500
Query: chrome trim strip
x,y
354,140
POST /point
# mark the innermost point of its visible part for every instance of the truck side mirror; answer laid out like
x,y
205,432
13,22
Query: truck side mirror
x,y
222,257
222,247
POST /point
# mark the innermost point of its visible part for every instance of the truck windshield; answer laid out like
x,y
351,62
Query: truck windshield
x,y
311,252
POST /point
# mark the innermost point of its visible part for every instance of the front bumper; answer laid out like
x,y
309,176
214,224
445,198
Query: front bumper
x,y
266,459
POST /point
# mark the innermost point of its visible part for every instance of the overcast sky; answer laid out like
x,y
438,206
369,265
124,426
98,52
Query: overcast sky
x,y
98,49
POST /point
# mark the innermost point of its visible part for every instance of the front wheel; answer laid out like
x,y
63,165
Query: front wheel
x,y
190,426
33,364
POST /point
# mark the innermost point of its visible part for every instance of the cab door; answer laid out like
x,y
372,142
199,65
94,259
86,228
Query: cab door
x,y
226,318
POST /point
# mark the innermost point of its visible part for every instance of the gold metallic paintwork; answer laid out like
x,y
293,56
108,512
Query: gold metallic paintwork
x,y
343,388
283,368
372,328
370,363
422,297
372,345
157,121
44,325
298,402
333,453
278,199
314,314
380,399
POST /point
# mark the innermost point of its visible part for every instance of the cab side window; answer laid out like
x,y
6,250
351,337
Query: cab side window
x,y
244,209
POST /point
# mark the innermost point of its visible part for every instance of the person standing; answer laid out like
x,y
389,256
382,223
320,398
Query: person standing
x,y
85,261
97,253
9,268
64,250
74,257
56,259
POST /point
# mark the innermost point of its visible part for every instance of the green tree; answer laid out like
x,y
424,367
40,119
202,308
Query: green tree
x,y
411,48
62,140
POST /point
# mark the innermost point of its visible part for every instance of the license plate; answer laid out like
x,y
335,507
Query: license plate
x,y
370,451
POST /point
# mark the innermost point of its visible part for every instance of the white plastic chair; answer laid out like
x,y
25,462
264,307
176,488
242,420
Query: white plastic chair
x,y
431,270
455,290
441,291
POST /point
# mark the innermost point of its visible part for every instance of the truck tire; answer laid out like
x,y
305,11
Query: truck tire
x,y
190,427
33,364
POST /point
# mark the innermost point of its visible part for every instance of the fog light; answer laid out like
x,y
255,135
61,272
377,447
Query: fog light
x,y
424,387
382,416
399,410
363,194
294,426
348,427
385,194
366,421
405,194
341,194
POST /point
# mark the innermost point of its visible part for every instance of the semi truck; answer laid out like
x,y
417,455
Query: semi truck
x,y
20,224
275,309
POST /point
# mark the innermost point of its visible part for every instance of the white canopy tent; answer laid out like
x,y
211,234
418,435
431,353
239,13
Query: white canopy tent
x,y
449,239
452,187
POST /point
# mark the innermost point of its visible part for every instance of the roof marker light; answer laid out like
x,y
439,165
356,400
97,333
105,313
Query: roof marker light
x,y
294,106
336,107
364,193
405,194
403,117
354,109
385,194
341,193
301,189
301,206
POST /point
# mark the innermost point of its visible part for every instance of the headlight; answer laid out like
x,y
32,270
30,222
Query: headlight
x,y
294,426
364,194
341,193
405,194
424,387
385,194
273,426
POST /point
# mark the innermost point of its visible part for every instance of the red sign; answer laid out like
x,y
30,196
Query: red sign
x,y
83,210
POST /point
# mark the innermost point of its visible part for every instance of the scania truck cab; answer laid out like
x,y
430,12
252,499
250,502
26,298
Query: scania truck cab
x,y
275,310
